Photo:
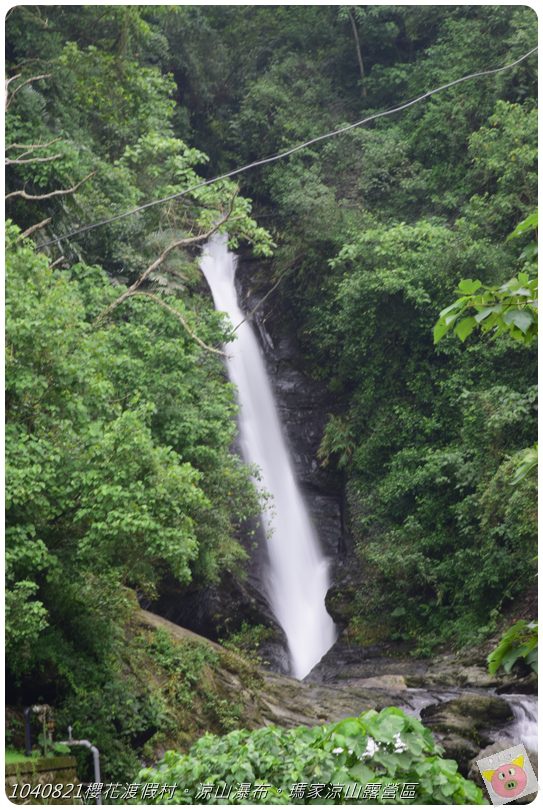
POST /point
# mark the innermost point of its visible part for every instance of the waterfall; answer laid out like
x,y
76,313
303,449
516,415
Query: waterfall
x,y
296,579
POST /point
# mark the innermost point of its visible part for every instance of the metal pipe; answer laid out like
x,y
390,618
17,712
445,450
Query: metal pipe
x,y
95,757
28,732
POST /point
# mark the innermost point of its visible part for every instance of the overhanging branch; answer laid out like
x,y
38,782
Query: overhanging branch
x,y
180,318
18,161
58,193
179,243
33,228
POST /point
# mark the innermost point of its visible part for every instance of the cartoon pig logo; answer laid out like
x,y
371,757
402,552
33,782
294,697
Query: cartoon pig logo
x,y
509,780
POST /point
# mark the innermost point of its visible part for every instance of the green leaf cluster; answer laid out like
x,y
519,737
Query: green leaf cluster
x,y
518,643
508,309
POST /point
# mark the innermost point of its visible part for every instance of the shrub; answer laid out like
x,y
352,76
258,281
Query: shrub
x,y
284,766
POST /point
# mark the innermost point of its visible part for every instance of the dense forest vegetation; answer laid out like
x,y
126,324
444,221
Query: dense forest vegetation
x,y
120,419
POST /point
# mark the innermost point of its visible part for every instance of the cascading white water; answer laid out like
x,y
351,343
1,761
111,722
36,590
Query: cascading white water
x,y
297,578
524,726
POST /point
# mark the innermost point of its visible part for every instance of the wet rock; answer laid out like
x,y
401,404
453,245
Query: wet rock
x,y
339,602
453,670
268,697
217,611
520,686
459,748
464,725
348,579
340,598
349,662
303,405
485,710
385,681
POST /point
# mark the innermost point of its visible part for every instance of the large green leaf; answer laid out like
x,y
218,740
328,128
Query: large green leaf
x,y
469,286
522,318
465,327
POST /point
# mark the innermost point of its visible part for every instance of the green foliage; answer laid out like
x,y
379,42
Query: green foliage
x,y
119,432
247,640
107,486
517,644
508,309
431,439
107,112
528,225
526,462
337,441
185,663
116,101
388,747
504,160
153,692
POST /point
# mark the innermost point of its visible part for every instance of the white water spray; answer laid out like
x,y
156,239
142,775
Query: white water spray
x,y
524,726
297,579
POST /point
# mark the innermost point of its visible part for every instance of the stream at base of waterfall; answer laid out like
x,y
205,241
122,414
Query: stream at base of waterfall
x,y
296,578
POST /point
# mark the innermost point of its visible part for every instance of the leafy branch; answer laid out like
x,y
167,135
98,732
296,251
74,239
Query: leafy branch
x,y
517,644
58,193
180,318
526,463
510,308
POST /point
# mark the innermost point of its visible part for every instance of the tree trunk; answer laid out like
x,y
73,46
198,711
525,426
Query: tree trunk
x,y
358,53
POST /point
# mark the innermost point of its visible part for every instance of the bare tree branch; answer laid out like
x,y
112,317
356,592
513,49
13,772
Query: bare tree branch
x,y
180,243
18,161
34,228
57,261
30,147
9,98
30,61
12,79
60,192
180,318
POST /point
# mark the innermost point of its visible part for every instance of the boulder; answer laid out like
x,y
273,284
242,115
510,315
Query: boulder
x,y
464,725
519,686
384,682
